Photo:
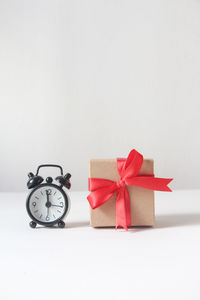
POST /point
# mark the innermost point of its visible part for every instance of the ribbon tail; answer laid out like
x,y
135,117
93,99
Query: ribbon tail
x,y
123,211
150,182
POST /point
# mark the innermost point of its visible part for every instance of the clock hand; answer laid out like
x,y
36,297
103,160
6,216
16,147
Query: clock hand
x,y
47,196
47,213
48,204
56,205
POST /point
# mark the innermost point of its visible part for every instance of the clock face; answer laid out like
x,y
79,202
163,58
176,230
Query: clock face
x,y
47,203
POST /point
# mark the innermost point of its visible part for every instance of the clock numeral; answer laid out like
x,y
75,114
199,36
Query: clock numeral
x,y
34,204
58,211
36,197
54,216
49,191
36,211
47,218
40,216
61,204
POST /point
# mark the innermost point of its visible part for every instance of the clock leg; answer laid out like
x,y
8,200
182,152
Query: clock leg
x,y
61,224
32,224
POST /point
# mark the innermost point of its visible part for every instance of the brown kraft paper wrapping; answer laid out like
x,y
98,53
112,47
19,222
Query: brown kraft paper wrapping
x,y
141,199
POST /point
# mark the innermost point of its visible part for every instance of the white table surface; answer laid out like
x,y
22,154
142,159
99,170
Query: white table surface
x,y
79,262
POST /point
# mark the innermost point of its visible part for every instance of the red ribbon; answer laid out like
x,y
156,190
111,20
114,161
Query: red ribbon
x,y
103,189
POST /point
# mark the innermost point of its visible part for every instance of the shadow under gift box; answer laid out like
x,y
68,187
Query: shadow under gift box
x,y
141,199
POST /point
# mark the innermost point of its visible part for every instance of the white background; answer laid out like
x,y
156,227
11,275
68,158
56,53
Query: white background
x,y
84,79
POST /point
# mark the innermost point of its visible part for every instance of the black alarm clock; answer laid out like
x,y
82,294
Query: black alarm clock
x,y
47,204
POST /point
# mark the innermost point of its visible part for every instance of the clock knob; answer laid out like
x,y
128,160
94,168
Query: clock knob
x,y
49,179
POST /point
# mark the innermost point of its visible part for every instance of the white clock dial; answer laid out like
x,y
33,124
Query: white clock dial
x,y
47,204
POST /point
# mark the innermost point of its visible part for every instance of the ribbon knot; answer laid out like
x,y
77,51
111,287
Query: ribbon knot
x,y
103,189
120,183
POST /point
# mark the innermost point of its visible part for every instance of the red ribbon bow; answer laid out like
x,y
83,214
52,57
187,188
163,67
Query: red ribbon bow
x,y
103,189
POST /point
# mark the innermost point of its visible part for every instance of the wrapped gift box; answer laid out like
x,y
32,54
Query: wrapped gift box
x,y
141,199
